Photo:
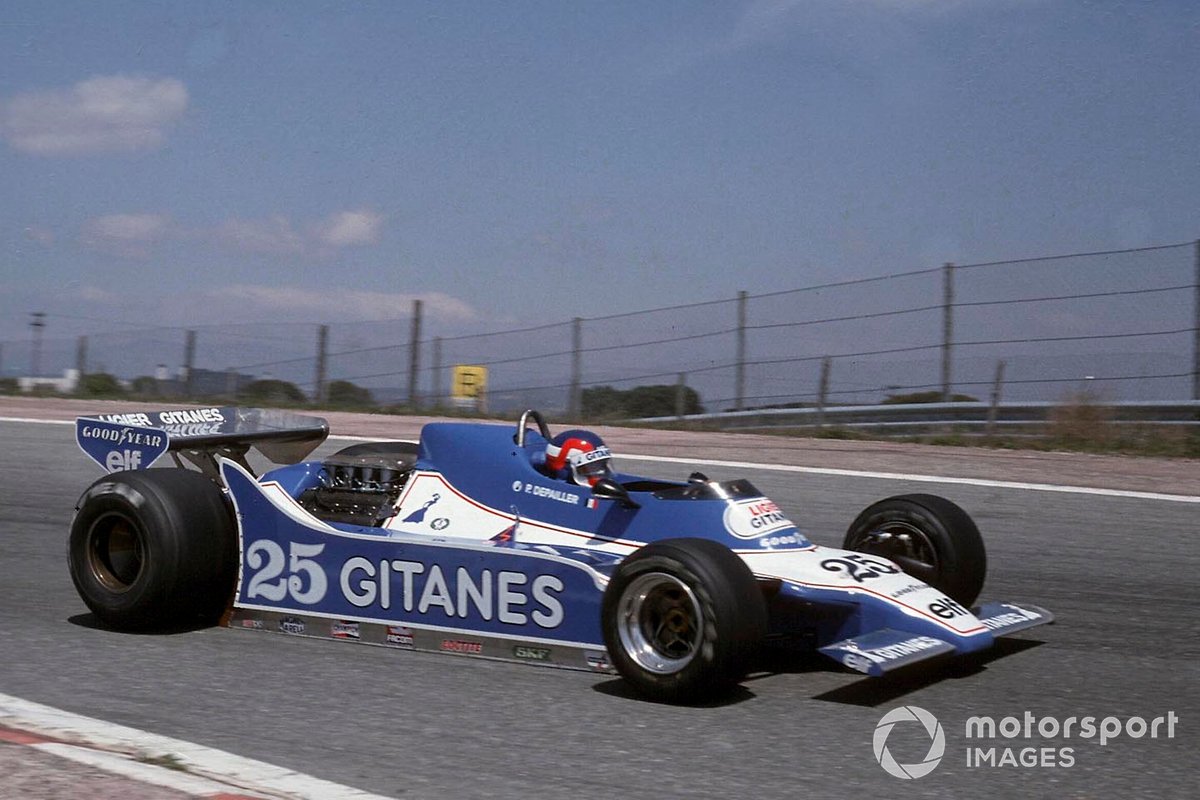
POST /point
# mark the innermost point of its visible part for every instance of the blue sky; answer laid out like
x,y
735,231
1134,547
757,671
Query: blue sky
x,y
197,162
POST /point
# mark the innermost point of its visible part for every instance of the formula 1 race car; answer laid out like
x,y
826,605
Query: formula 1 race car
x,y
464,542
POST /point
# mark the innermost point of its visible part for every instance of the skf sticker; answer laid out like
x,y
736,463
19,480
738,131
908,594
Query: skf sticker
x,y
528,653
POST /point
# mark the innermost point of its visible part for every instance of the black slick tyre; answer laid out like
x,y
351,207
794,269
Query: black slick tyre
x,y
683,619
929,537
153,548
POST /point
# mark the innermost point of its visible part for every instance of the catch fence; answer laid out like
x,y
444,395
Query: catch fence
x,y
1121,325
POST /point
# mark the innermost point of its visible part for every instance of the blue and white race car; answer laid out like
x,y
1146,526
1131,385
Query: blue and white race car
x,y
485,540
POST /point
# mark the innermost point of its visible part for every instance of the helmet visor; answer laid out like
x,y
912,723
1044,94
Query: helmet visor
x,y
591,466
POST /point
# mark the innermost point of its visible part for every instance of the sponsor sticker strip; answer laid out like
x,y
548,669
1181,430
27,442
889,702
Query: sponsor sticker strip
x,y
405,637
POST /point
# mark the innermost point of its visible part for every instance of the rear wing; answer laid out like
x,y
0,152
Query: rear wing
x,y
136,439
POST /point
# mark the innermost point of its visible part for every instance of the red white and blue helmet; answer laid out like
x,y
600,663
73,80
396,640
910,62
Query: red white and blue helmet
x,y
579,455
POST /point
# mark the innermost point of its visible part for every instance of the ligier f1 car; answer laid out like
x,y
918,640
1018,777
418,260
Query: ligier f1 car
x,y
466,542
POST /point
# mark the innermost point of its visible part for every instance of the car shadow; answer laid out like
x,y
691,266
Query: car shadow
x,y
618,688
92,622
871,692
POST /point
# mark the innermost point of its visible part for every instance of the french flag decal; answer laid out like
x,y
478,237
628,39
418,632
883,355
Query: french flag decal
x,y
593,503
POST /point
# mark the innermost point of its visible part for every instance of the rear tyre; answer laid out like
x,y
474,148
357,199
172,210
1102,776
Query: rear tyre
x,y
929,537
153,548
682,619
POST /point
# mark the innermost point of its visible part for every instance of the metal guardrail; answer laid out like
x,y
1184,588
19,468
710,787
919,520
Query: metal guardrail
x,y
968,417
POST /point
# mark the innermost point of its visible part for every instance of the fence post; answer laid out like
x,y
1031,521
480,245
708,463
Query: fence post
x,y
1196,332
414,354
35,357
81,354
947,326
680,394
823,390
189,358
1,359
739,380
575,397
319,377
994,409
437,371
231,387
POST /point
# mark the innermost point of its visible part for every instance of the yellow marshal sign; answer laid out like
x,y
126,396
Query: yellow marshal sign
x,y
468,383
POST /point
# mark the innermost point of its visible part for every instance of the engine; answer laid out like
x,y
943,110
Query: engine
x,y
360,484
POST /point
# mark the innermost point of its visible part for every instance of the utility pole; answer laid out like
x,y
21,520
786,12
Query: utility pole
x,y
739,379
37,324
1196,332
437,371
994,408
574,400
947,327
81,354
414,354
823,390
319,378
189,361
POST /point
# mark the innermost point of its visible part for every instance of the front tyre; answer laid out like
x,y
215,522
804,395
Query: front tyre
x,y
153,548
682,619
929,537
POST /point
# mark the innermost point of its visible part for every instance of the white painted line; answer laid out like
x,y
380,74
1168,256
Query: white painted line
x,y
897,476
38,421
139,771
232,770
848,473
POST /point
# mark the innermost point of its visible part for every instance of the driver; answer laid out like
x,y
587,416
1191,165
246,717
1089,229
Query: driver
x,y
579,456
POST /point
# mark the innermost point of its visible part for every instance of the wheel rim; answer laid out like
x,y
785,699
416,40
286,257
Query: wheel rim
x,y
115,552
904,543
659,623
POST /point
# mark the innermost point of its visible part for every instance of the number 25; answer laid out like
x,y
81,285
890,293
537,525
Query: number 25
x,y
264,583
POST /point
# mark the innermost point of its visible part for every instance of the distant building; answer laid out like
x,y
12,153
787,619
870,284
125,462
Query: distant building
x,y
67,384
204,383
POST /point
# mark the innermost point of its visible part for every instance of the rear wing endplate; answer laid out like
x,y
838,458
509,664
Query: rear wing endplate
x,y
136,439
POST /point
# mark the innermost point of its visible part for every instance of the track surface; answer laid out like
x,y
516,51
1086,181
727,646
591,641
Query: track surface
x,y
1119,573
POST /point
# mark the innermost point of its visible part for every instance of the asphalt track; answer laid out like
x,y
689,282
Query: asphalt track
x,y
1119,572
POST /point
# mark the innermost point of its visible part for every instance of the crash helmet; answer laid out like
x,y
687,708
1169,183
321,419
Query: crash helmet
x,y
580,456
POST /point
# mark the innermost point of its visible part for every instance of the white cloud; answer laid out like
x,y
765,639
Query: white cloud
x,y
241,303
350,228
40,234
344,304
760,20
274,235
101,114
127,234
133,234
94,294
857,28
279,235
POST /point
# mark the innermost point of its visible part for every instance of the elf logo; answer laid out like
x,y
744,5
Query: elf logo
x,y
122,460
946,608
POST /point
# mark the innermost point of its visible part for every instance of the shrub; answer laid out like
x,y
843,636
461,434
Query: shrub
x,y
345,393
271,391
